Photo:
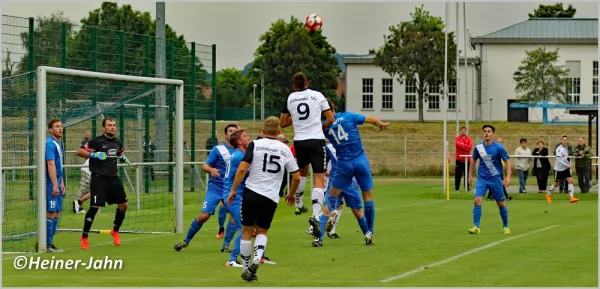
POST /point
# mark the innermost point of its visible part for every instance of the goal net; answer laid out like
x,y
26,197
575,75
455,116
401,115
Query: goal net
x,y
149,116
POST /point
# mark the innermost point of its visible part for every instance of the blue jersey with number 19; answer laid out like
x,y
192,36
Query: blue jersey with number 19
x,y
236,159
344,136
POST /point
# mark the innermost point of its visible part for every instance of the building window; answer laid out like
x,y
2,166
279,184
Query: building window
x,y
387,93
451,95
410,95
367,96
595,83
434,97
573,90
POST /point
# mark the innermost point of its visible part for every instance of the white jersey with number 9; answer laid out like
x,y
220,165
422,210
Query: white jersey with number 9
x,y
306,107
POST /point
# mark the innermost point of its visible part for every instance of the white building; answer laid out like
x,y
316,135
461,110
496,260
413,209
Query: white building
x,y
490,87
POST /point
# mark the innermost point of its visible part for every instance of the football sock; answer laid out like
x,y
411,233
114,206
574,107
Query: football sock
x,y
55,223
322,222
504,215
260,244
236,247
194,228
332,203
337,219
119,217
245,252
89,219
229,233
49,228
571,190
300,193
476,215
317,196
370,215
362,222
551,190
222,216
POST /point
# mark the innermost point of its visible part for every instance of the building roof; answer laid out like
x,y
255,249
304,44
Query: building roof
x,y
583,110
545,31
370,59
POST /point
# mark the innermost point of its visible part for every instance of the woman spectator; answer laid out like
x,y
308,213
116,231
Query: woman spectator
x,y
541,166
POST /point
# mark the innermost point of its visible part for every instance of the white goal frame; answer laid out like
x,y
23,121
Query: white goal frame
x,y
41,131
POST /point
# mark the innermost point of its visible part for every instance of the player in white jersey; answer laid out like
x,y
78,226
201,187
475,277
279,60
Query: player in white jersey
x,y
562,168
303,109
265,160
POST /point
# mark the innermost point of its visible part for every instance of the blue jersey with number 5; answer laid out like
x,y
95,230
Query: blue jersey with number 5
x,y
344,136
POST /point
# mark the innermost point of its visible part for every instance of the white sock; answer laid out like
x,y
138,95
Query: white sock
x,y
335,223
317,196
260,244
550,190
571,190
245,252
300,193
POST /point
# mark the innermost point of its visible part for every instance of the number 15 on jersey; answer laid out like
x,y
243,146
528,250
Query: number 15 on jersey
x,y
338,134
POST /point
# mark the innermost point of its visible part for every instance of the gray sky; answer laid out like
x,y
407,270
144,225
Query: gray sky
x,y
350,27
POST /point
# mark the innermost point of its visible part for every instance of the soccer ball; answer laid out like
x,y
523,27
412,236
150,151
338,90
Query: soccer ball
x,y
313,23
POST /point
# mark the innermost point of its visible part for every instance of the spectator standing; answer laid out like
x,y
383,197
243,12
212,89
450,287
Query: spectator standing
x,y
523,163
463,144
541,166
583,163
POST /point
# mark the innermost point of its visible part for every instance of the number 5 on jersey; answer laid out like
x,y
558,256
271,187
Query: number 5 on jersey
x,y
341,135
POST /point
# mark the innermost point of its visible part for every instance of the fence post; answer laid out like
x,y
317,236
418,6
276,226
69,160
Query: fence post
x,y
170,97
121,85
193,120
214,91
147,116
32,102
94,68
63,86
405,157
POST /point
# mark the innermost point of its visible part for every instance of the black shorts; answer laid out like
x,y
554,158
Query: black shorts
x,y
106,190
311,152
257,210
562,175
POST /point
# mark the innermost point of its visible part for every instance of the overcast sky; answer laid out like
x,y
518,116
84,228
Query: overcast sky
x,y
350,27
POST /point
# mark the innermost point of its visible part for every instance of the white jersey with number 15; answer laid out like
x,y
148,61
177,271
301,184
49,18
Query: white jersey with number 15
x,y
306,107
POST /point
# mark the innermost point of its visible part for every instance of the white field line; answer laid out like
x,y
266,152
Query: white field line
x,y
412,272
211,232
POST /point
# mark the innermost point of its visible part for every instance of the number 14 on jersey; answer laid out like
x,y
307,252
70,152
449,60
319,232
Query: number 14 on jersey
x,y
338,134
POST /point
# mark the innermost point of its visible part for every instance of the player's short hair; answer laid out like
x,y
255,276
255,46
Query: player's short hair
x,y
52,122
463,127
107,119
299,79
490,126
563,136
236,136
540,141
271,126
523,140
228,126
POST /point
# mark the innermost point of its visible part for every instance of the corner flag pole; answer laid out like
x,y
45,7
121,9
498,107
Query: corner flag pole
x,y
446,186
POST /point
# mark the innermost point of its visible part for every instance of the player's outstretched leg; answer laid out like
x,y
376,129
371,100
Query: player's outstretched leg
x,y
232,227
232,262
222,217
119,217
87,225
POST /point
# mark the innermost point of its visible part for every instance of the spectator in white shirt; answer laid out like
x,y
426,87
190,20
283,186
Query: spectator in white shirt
x,y
523,163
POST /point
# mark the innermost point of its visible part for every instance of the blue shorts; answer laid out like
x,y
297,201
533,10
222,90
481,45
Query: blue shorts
x,y
358,168
211,202
235,209
493,184
53,203
351,195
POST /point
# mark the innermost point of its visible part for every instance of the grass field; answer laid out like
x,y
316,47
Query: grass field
x,y
551,245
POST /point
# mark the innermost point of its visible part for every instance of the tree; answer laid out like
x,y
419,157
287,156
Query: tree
x,y
8,68
414,51
232,89
539,78
288,48
553,11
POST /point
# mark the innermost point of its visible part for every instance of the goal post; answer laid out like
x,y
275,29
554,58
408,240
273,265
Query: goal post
x,y
41,131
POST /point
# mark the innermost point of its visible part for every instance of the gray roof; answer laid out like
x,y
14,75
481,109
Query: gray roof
x,y
545,31
370,59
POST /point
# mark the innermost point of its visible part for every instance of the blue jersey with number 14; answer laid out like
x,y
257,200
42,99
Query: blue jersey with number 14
x,y
344,136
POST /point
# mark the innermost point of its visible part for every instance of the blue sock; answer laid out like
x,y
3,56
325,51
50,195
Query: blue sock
x,y
476,215
362,222
322,221
49,229
504,215
236,247
370,215
332,204
222,217
194,228
55,221
229,233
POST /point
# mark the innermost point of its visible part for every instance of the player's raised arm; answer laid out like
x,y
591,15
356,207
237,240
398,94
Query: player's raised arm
x,y
377,122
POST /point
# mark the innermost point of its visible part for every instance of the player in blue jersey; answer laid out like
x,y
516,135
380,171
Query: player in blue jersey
x,y
489,176
351,196
352,162
215,165
55,184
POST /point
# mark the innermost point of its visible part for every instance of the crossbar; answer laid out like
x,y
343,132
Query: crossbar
x,y
109,76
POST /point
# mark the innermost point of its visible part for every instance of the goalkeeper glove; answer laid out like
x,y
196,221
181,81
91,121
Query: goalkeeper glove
x,y
98,155
124,159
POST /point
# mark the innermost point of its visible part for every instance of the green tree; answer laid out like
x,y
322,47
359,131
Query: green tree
x,y
8,69
414,51
540,78
553,11
232,89
287,48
